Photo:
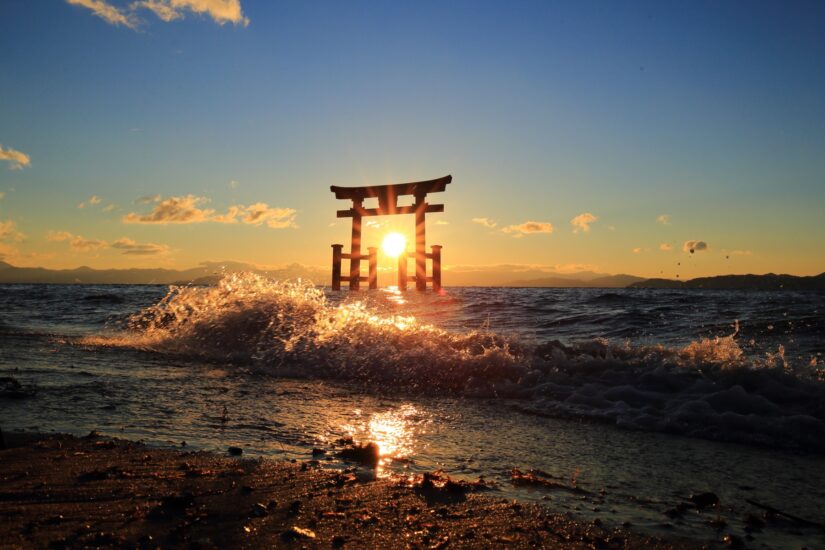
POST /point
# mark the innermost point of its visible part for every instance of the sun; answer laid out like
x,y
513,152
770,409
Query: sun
x,y
394,244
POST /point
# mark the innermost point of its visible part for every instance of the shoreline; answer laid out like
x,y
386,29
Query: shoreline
x,y
66,491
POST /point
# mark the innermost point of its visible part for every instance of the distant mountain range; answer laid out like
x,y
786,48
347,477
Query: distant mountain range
x,y
768,281
206,273
211,272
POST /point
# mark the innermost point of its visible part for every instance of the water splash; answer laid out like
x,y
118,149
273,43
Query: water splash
x,y
708,388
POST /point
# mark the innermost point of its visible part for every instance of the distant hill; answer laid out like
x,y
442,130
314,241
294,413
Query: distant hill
x,y
769,281
602,281
206,273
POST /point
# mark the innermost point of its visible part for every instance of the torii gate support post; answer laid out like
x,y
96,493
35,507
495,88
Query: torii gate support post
x,y
420,241
355,252
337,251
373,259
402,271
436,256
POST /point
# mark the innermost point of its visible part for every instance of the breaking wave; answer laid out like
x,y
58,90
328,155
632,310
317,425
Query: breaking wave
x,y
707,389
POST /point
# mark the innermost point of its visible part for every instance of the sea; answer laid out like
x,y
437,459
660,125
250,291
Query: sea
x,y
622,403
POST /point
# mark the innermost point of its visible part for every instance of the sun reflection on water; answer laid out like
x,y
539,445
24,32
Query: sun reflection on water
x,y
395,431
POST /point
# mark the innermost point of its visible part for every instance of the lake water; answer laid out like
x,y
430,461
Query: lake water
x,y
639,398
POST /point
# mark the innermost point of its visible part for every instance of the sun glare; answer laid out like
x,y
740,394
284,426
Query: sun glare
x,y
394,244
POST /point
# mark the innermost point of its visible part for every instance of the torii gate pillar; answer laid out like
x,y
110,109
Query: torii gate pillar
x,y
388,205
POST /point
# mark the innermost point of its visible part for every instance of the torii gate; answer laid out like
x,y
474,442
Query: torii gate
x,y
388,205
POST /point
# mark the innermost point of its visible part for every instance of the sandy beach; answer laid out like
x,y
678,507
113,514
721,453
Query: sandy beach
x,y
64,491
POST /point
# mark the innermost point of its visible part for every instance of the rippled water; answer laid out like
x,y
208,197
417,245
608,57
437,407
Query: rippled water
x,y
650,395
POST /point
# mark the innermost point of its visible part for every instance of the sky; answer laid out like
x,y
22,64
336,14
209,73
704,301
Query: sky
x,y
613,137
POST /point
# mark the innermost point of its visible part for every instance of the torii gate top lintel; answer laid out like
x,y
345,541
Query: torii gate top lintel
x,y
388,196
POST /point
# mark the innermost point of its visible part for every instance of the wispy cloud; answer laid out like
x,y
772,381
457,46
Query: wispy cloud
x,y
528,228
2,195
663,219
582,222
94,200
638,250
486,222
189,209
442,222
17,160
694,246
220,11
130,247
9,232
127,246
109,13
77,243
109,208
665,247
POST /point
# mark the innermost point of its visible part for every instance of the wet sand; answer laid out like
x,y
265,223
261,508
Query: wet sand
x,y
63,491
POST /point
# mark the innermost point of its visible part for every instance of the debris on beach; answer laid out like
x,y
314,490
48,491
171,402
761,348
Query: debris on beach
x,y
367,454
538,478
437,486
235,451
295,532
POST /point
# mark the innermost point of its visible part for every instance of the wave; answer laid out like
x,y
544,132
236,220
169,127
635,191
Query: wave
x,y
708,388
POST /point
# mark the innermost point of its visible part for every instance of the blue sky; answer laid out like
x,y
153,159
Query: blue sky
x,y
710,113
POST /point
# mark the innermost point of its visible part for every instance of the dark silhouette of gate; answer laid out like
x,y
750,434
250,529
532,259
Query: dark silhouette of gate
x,y
388,205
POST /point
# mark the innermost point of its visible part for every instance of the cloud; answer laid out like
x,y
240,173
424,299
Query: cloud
x,y
233,184
93,201
637,250
694,246
187,209
76,242
665,247
486,222
221,11
108,12
110,208
276,218
582,222
172,210
16,159
2,195
130,247
438,222
663,219
528,228
9,232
